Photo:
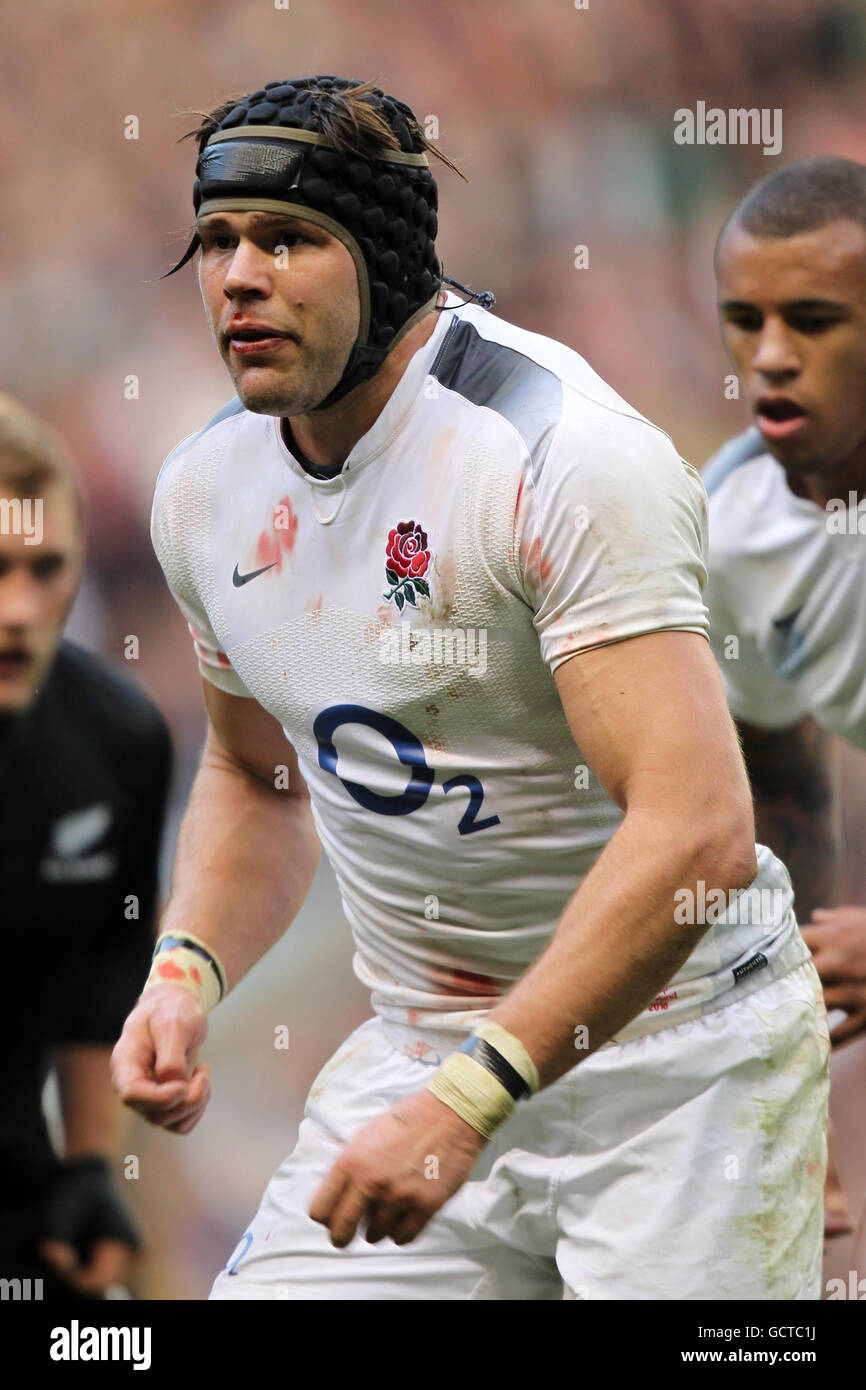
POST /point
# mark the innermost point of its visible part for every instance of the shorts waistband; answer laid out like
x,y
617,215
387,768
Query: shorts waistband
x,y
691,1000
688,1001
429,1045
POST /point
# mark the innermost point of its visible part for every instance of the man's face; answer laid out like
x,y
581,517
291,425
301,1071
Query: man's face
x,y
37,586
304,296
793,313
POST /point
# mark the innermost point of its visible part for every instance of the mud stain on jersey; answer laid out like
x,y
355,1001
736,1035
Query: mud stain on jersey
x,y
439,608
376,626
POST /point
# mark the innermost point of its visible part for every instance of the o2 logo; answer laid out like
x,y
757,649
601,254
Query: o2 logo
x,y
410,752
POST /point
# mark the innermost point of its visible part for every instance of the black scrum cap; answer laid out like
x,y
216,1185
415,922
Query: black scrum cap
x,y
269,154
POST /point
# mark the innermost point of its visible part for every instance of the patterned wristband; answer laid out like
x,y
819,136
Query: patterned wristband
x,y
169,940
185,961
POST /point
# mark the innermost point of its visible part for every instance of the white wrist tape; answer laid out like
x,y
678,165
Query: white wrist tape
x,y
180,964
472,1092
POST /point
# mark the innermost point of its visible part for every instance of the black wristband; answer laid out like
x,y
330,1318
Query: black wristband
x,y
168,942
494,1062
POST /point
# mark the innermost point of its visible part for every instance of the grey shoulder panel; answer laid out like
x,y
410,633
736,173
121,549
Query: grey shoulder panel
x,y
232,407
739,450
486,373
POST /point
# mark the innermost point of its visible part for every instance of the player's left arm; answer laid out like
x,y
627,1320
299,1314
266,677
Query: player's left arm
x,y
794,779
651,719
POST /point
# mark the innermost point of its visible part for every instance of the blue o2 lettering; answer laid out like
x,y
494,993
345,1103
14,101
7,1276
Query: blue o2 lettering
x,y
468,821
410,752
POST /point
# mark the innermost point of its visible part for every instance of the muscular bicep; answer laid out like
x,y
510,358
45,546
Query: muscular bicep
x,y
242,735
649,715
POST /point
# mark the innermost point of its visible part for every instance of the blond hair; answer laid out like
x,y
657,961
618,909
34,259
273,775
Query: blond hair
x,y
33,457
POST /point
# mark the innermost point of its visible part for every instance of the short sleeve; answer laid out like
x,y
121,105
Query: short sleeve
x,y
175,531
754,692
610,530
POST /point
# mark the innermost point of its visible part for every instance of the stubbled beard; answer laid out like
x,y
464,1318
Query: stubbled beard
x,y
277,402
277,399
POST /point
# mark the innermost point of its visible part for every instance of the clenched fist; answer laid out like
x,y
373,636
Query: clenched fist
x,y
154,1066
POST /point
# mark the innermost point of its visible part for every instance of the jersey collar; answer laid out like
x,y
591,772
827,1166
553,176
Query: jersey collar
x,y
391,418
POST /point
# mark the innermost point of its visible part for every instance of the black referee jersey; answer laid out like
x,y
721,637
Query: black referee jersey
x,y
84,774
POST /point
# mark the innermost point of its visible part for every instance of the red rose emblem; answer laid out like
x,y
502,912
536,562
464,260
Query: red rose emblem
x,y
407,550
406,561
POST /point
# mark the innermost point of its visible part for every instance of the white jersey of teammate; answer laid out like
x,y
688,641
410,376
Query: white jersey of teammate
x,y
402,621
787,579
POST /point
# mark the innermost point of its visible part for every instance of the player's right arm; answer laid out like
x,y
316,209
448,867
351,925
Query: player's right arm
x,y
795,792
796,806
246,856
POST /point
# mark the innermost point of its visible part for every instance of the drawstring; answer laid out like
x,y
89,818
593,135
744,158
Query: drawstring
x,y
486,298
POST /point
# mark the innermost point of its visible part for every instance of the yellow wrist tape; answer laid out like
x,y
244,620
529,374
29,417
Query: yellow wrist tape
x,y
512,1050
472,1092
179,965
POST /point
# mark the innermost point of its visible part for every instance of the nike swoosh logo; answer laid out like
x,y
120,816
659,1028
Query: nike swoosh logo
x,y
240,579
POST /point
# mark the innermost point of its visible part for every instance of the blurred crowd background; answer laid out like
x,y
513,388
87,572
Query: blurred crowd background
x,y
562,119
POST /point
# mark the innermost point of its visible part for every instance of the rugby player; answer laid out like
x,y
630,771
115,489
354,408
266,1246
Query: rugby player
x,y
85,760
787,558
447,585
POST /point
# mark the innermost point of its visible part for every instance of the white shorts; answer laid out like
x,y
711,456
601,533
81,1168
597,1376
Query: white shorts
x,y
685,1164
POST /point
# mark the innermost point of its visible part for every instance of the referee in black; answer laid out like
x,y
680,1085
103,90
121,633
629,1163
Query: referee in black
x,y
85,761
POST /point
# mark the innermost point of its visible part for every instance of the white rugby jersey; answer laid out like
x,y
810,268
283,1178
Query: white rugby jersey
x,y
787,579
402,621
